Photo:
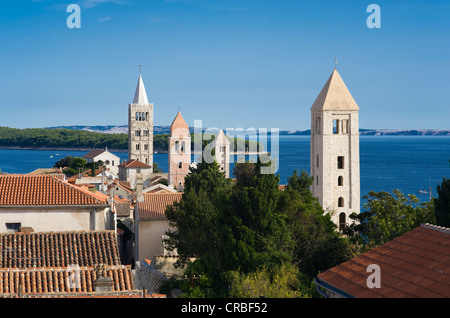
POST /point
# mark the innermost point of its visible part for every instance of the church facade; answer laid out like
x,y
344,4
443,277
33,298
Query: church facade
x,y
334,153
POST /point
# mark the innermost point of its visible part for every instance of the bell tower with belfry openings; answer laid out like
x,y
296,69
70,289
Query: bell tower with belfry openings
x,y
334,156
140,126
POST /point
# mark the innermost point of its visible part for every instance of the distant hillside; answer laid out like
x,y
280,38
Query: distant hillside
x,y
123,129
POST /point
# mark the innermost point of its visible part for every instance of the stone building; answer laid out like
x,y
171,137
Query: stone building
x,y
222,153
179,152
140,127
110,160
334,156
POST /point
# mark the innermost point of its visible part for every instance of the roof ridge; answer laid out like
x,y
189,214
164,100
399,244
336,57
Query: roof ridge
x,y
438,228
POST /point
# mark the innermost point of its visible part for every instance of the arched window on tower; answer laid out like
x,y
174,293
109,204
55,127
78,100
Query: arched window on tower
x,y
177,145
342,221
182,146
340,181
140,116
317,125
336,126
180,164
146,116
143,116
341,202
137,116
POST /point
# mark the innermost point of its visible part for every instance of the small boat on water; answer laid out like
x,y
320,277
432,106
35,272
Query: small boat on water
x,y
422,191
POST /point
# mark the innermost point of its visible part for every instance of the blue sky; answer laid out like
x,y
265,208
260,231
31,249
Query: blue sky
x,y
229,63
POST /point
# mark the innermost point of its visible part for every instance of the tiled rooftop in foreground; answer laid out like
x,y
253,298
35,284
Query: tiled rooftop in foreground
x,y
415,264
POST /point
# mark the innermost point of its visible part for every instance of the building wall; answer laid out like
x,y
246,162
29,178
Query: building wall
x,y
177,156
143,155
326,147
129,174
56,219
150,237
112,159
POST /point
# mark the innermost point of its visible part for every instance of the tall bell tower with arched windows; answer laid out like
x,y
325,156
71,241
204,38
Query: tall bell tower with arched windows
x,y
179,152
334,157
140,126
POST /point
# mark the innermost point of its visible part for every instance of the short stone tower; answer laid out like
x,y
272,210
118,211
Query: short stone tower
x,y
222,153
335,150
140,126
179,152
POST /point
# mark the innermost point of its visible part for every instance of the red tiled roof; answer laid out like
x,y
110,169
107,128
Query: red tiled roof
x,y
28,190
134,163
57,280
155,204
58,249
415,264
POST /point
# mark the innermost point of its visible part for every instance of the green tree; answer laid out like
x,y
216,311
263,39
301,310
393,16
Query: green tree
x,y
253,226
388,216
318,246
281,282
442,203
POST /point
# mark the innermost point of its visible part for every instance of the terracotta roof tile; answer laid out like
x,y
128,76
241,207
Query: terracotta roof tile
x,y
155,204
26,190
58,249
57,279
415,264
134,163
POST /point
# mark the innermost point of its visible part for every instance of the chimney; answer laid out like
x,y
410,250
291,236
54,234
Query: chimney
x,y
103,284
139,188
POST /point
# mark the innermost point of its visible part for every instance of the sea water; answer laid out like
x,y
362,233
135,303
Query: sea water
x,y
407,163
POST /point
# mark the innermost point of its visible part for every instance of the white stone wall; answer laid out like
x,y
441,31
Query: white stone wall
x,y
325,148
144,156
55,219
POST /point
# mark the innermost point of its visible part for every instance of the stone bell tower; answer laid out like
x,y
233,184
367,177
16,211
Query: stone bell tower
x,y
140,126
334,156
179,152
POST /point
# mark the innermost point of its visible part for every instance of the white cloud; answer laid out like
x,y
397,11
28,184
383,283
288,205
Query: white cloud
x,y
104,19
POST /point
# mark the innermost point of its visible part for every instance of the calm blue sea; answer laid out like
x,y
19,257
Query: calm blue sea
x,y
407,163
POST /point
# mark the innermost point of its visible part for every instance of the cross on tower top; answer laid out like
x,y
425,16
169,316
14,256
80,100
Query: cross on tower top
x,y
140,68
335,61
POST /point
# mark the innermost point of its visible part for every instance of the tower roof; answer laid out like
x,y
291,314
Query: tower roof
x,y
178,123
334,95
221,139
140,96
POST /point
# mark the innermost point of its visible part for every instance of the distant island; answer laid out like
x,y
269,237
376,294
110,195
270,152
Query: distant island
x,y
123,129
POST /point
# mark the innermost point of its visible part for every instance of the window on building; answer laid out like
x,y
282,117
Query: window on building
x,y
317,180
143,116
13,226
342,221
317,161
146,116
137,132
340,181
138,147
336,124
177,145
345,126
180,165
146,147
318,125
340,162
112,163
341,202
182,147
